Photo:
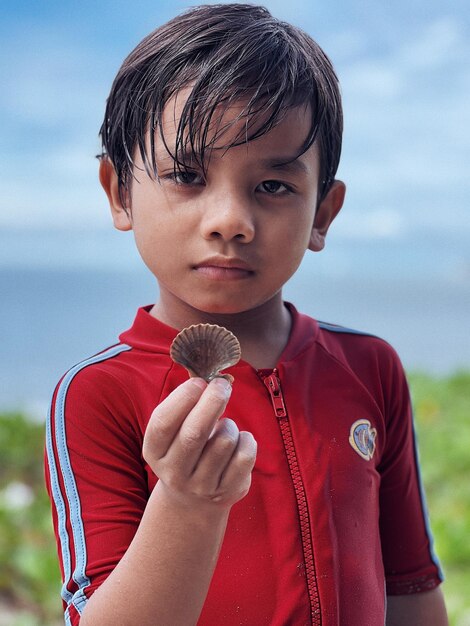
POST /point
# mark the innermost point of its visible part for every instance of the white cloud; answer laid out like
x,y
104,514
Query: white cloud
x,y
440,43
346,43
407,137
373,79
74,203
380,223
47,79
407,130
52,100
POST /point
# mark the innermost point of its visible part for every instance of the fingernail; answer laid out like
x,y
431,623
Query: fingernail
x,y
223,385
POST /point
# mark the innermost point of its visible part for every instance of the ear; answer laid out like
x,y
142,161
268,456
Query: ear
x,y
327,210
109,181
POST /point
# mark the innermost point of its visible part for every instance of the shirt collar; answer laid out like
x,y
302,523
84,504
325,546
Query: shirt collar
x,y
151,335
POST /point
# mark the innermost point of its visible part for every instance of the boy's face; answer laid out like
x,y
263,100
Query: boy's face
x,y
227,243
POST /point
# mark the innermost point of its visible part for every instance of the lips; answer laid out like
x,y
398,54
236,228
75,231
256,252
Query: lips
x,y
224,268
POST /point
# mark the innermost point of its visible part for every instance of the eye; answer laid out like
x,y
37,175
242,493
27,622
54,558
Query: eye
x,y
184,177
273,187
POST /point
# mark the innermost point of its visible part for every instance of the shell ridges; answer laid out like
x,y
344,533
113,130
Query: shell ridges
x,y
205,350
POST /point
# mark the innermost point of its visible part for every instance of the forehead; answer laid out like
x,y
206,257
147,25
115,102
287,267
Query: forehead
x,y
227,127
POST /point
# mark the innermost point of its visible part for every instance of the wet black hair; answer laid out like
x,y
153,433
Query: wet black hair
x,y
226,54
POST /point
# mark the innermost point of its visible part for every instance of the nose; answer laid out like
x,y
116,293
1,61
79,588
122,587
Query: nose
x,y
228,217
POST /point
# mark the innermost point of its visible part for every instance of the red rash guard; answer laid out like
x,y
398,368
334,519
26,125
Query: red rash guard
x,y
335,512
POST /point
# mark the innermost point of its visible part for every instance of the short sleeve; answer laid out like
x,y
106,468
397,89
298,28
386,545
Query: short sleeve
x,y
409,561
96,480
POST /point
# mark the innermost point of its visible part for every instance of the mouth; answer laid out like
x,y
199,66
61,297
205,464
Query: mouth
x,y
224,268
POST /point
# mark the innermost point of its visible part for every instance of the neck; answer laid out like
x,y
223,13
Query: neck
x,y
263,332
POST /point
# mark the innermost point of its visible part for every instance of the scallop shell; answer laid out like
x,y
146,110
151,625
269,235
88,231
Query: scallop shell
x,y
206,349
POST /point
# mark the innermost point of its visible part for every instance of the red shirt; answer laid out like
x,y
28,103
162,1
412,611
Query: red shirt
x,y
335,511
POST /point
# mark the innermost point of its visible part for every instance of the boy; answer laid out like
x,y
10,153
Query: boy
x,y
295,499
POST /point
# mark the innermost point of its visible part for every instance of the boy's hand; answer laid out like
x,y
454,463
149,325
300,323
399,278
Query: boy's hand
x,y
196,455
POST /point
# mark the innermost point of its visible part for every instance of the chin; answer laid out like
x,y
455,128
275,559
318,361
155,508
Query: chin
x,y
216,307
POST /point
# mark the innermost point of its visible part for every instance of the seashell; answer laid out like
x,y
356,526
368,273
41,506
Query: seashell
x,y
206,349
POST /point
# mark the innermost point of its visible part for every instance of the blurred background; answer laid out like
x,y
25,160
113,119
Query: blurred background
x,y
397,262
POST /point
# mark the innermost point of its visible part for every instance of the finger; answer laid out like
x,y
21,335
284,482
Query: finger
x,y
196,429
217,453
168,416
236,477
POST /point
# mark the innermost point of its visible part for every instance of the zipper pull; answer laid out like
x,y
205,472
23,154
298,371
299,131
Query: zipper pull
x,y
273,385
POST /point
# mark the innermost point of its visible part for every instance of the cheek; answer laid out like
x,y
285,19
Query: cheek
x,y
152,246
294,237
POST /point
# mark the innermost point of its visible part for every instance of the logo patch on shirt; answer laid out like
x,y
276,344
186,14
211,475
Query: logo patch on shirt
x,y
362,438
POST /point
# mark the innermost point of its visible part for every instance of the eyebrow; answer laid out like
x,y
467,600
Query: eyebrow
x,y
286,164
164,157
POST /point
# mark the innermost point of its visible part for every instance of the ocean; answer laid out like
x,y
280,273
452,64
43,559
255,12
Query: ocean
x,y
50,319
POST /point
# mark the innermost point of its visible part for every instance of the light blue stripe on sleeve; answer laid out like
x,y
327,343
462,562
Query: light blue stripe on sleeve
x,y
79,574
67,620
60,507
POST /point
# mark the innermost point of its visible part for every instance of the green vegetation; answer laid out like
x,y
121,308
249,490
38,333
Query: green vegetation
x,y
442,414
29,575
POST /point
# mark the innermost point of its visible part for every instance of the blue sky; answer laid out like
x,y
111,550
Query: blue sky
x,y
397,260
405,74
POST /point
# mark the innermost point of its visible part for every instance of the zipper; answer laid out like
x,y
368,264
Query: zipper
x,y
273,384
